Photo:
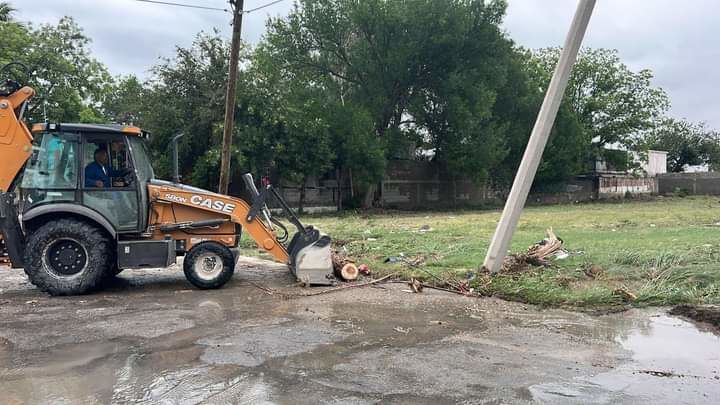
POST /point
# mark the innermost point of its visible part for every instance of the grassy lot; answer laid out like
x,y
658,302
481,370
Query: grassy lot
x,y
664,251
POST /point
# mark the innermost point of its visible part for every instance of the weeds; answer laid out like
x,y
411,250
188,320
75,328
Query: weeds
x,y
662,251
662,260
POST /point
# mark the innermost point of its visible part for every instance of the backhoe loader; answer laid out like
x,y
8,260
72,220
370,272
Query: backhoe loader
x,y
80,202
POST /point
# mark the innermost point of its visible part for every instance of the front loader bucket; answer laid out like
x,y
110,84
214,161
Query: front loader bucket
x,y
311,257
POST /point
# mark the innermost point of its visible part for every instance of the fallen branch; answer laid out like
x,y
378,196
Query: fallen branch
x,y
451,283
459,292
268,291
271,291
346,287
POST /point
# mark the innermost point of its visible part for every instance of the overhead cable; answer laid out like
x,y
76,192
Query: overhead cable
x,y
169,3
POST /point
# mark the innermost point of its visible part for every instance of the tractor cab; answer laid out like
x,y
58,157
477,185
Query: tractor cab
x,y
104,169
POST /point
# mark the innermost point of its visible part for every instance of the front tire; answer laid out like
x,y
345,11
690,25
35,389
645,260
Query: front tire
x,y
67,257
209,265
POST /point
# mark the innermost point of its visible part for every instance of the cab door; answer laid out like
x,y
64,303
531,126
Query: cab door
x,y
108,183
51,173
144,174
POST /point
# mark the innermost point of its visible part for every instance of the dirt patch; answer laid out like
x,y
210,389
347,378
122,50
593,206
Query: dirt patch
x,y
709,314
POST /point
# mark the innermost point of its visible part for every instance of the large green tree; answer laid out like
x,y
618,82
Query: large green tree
x,y
123,101
67,78
518,104
185,94
282,124
687,144
297,126
422,71
613,103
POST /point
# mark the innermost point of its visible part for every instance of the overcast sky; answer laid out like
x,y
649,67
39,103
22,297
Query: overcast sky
x,y
679,41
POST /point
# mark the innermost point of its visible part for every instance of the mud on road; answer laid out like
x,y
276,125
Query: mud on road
x,y
151,338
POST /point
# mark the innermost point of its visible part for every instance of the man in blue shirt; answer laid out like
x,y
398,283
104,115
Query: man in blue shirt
x,y
99,173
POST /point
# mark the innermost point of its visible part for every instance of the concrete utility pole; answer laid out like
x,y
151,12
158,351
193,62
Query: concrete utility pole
x,y
237,7
538,139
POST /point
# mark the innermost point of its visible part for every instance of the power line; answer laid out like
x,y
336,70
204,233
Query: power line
x,y
169,3
263,6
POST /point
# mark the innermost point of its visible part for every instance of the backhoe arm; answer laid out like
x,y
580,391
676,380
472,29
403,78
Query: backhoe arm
x,y
15,138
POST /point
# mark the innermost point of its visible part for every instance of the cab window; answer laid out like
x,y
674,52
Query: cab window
x,y
142,159
106,164
53,164
109,181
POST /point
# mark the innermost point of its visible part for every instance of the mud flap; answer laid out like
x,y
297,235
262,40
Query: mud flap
x,y
311,258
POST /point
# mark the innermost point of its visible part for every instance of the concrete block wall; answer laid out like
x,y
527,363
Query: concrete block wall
x,y
418,185
693,183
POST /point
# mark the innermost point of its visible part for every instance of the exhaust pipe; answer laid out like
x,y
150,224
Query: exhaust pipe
x,y
176,158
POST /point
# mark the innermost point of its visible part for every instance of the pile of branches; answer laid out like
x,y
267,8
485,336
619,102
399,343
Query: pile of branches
x,y
536,255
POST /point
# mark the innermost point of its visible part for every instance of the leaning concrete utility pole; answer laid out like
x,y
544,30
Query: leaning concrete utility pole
x,y
538,139
237,7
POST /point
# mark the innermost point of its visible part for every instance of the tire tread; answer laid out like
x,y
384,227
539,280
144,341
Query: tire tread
x,y
95,241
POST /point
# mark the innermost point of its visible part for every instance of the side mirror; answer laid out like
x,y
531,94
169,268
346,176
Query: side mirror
x,y
176,168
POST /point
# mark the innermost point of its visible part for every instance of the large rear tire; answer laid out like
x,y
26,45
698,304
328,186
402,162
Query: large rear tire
x,y
67,257
209,265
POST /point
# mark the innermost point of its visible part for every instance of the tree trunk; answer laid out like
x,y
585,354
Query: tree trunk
x,y
338,178
369,196
301,203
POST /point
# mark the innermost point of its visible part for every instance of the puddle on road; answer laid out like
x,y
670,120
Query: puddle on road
x,y
671,361
189,386
253,346
674,345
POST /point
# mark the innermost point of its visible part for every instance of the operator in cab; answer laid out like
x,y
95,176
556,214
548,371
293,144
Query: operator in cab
x,y
99,173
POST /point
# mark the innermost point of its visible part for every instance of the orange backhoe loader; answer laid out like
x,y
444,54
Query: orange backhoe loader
x,y
80,203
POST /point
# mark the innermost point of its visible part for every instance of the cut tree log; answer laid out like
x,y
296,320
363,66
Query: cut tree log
x,y
349,272
344,267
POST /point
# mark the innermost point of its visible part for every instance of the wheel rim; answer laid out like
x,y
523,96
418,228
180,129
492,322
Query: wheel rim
x,y
65,258
208,266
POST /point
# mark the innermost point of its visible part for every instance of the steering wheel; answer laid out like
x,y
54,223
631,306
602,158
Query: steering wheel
x,y
129,178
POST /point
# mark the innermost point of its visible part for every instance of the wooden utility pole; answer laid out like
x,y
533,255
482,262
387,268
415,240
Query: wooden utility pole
x,y
237,8
538,138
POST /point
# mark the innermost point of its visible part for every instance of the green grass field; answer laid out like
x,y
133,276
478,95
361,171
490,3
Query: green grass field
x,y
664,251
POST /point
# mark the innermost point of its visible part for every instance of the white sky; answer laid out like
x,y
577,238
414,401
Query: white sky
x,y
679,41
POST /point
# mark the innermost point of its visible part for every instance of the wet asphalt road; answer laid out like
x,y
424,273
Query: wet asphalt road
x,y
151,338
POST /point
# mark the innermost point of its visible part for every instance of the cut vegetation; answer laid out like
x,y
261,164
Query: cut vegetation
x,y
640,253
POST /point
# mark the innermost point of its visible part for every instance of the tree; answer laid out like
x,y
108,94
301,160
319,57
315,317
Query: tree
x,y
123,101
6,11
356,150
184,95
687,144
613,103
304,147
467,63
64,74
401,63
284,124
518,104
